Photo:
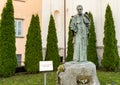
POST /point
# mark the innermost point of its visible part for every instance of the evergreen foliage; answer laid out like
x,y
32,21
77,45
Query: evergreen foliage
x,y
70,48
91,48
52,47
110,55
8,61
33,50
0,22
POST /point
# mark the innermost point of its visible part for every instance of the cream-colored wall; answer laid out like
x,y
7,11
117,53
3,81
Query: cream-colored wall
x,y
24,10
56,8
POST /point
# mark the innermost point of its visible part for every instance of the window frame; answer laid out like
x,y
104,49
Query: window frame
x,y
19,62
16,22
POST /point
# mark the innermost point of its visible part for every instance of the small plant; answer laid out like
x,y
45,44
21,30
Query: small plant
x,y
61,68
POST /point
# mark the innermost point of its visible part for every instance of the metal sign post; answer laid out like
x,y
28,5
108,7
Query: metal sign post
x,y
44,78
45,66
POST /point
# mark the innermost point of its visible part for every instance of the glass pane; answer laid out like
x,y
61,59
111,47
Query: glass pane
x,y
19,27
19,24
19,58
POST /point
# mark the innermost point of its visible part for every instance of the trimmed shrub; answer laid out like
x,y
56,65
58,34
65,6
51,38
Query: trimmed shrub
x,y
52,47
33,50
110,55
0,23
70,48
91,48
8,61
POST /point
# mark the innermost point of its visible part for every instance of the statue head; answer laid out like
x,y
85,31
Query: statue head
x,y
79,9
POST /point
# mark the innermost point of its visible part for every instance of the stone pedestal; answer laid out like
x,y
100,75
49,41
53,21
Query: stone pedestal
x,y
77,73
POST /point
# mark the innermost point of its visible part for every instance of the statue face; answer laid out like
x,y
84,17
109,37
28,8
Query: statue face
x,y
79,10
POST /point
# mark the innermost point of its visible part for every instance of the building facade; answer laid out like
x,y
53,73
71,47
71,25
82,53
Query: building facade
x,y
23,10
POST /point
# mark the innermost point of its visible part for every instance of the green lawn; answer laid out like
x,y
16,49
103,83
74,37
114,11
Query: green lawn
x,y
106,78
109,78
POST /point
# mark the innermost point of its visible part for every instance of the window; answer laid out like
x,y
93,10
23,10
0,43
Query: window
x,y
18,27
19,59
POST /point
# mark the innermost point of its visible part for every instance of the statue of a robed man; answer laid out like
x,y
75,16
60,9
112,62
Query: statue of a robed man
x,y
78,72
79,25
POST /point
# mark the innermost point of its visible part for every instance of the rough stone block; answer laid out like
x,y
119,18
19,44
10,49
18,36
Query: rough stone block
x,y
77,73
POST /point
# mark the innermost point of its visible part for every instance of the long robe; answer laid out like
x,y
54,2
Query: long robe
x,y
79,25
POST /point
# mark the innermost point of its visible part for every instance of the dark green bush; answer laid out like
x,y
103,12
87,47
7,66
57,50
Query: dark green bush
x,y
91,48
8,61
70,48
110,55
52,47
33,50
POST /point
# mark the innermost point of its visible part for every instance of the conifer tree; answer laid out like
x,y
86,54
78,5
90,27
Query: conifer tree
x,y
70,47
91,48
8,61
33,50
110,55
52,47
0,22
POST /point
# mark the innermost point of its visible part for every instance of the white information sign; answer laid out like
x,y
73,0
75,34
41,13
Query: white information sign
x,y
45,66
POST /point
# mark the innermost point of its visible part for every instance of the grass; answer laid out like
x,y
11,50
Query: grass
x,y
109,78
105,78
29,79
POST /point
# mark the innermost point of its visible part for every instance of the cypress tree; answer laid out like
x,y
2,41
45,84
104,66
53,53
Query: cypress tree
x,y
8,61
110,55
52,47
0,23
70,48
33,50
91,48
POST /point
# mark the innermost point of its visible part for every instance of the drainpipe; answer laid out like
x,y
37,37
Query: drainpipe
x,y
64,57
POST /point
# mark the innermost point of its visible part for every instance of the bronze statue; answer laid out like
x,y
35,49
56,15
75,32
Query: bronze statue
x,y
79,25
